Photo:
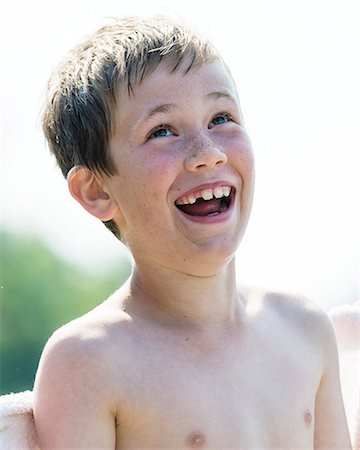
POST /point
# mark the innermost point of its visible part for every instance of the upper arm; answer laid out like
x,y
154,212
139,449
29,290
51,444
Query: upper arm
x,y
331,431
72,404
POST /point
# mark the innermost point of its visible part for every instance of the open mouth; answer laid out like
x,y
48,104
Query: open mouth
x,y
207,202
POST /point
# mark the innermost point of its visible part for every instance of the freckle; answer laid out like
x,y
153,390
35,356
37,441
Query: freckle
x,y
195,440
308,418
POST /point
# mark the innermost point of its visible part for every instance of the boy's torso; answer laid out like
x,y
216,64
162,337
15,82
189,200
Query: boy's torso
x,y
252,386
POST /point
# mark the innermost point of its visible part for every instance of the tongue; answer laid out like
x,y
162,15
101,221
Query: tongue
x,y
202,207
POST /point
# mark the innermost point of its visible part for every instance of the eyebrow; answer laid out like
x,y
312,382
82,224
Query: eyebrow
x,y
169,107
163,108
221,94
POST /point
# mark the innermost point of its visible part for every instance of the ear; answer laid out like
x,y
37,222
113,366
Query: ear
x,y
87,189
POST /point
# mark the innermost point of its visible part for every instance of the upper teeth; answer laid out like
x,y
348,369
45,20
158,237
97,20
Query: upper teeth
x,y
206,194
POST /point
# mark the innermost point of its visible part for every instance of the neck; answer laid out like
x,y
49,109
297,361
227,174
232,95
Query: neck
x,y
166,295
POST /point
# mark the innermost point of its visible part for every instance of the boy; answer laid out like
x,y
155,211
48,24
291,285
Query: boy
x,y
145,122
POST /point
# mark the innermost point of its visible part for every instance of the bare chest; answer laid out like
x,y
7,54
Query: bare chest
x,y
242,397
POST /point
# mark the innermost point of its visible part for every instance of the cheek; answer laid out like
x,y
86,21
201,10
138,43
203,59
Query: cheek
x,y
245,145
240,153
144,186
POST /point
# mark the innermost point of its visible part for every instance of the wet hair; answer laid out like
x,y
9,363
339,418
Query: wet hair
x,y
82,93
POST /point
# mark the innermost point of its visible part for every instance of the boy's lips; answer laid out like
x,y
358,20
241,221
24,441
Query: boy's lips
x,y
207,201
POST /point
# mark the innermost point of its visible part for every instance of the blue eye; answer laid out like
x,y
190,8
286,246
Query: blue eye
x,y
160,131
219,119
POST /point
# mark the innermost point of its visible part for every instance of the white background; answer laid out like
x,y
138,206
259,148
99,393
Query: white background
x,y
296,64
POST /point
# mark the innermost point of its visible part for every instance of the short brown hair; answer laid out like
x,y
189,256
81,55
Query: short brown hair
x,y
78,115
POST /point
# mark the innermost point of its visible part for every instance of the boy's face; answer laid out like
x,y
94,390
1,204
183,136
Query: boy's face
x,y
180,138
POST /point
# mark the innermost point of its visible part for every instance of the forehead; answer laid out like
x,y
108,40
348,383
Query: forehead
x,y
211,80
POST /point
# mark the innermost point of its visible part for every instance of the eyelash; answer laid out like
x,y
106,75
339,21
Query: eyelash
x,y
158,128
222,114
169,128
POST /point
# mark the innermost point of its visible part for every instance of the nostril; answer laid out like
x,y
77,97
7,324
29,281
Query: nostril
x,y
204,154
205,157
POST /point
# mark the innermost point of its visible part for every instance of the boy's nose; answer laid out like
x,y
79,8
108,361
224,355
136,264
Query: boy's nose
x,y
204,155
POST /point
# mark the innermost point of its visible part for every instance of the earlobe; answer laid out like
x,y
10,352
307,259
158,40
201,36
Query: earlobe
x,y
87,189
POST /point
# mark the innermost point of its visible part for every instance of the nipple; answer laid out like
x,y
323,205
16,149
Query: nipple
x,y
195,440
307,418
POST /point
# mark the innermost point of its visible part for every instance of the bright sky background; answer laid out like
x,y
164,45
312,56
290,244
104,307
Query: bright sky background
x,y
297,68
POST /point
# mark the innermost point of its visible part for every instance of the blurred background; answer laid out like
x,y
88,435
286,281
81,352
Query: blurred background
x,y
297,68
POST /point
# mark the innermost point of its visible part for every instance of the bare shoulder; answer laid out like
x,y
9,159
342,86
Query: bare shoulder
x,y
300,311
82,351
86,340
295,313
76,374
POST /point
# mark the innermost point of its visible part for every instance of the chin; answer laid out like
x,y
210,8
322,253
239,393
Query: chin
x,y
212,256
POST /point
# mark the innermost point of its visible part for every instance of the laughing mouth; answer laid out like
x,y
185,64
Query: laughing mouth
x,y
206,202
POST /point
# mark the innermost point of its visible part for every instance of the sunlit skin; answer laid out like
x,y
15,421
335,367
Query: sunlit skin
x,y
346,320
180,357
197,139
166,143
